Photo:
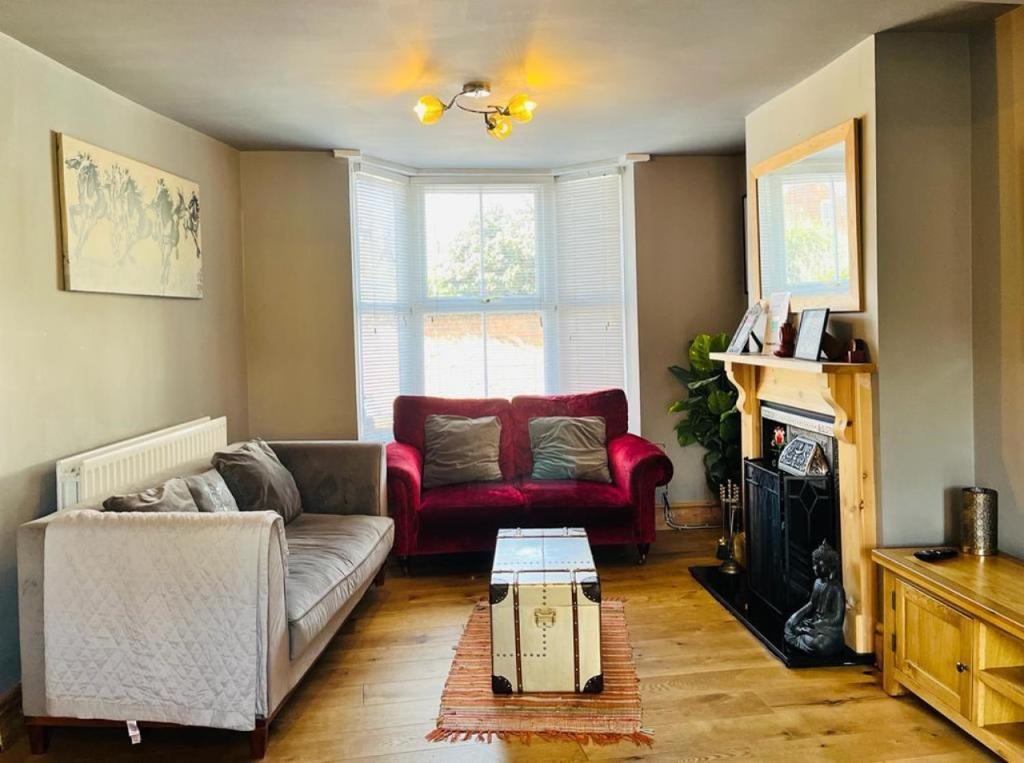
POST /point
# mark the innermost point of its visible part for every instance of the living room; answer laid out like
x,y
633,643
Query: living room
x,y
444,380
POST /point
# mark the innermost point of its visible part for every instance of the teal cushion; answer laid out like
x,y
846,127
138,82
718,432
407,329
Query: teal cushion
x,y
569,448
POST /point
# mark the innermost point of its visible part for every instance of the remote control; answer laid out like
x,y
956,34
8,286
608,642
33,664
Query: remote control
x,y
935,554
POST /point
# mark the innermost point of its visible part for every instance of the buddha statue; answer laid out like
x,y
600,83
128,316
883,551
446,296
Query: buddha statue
x,y
817,627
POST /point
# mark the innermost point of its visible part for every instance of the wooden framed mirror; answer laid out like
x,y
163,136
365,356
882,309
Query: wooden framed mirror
x,y
805,226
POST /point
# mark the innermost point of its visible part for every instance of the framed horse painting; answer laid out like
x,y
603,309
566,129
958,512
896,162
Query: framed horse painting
x,y
128,228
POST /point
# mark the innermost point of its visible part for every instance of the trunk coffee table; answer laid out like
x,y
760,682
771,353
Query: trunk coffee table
x,y
545,613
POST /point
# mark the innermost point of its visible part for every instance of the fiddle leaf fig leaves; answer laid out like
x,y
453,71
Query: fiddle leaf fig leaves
x,y
710,418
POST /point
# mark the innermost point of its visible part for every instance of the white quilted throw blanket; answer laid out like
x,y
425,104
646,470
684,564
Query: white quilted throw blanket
x,y
158,617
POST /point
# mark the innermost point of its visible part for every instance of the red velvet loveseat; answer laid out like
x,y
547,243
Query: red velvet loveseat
x,y
466,517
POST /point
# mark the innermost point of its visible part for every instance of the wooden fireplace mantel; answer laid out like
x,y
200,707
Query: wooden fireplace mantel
x,y
843,392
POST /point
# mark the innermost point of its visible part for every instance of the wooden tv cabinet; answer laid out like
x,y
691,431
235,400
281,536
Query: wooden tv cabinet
x,y
953,635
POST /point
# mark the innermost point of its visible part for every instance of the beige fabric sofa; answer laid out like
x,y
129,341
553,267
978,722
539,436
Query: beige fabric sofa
x,y
336,549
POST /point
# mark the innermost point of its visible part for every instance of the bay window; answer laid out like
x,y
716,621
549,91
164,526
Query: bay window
x,y
486,287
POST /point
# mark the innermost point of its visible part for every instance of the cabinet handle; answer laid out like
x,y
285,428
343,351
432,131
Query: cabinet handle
x,y
960,667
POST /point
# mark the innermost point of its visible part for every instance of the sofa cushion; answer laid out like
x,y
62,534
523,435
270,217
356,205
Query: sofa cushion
x,y
571,502
258,480
460,450
331,558
474,502
609,404
569,448
411,411
210,492
172,495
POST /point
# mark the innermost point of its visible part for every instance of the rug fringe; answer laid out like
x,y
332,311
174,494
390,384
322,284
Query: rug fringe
x,y
639,738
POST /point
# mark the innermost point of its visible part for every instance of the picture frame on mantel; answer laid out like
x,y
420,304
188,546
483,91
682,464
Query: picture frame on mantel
x,y
811,333
805,222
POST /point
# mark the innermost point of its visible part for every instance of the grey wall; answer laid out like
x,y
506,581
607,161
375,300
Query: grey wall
x,y
81,370
298,295
926,398
689,264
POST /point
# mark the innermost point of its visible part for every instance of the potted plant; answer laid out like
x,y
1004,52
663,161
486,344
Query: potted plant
x,y
710,417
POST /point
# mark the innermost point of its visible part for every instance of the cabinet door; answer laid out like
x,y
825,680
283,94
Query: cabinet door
x,y
933,648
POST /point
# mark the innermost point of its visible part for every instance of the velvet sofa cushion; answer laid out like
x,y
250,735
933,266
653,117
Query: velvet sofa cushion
x,y
210,492
490,503
610,404
258,480
563,503
569,448
461,450
411,411
172,495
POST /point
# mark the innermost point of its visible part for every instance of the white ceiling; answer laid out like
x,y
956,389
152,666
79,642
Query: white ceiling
x,y
610,76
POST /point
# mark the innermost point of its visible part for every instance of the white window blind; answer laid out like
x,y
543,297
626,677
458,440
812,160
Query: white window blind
x,y
590,301
382,278
486,289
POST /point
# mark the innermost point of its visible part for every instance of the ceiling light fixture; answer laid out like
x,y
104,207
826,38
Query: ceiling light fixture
x,y
497,119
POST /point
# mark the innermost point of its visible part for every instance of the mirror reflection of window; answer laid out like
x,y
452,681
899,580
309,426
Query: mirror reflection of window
x,y
804,236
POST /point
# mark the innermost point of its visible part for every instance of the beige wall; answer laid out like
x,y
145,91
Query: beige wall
x,y
81,370
689,255
298,295
912,94
998,106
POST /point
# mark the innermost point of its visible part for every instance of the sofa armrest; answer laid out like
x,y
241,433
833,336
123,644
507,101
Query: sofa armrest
x,y
405,481
336,476
203,534
639,466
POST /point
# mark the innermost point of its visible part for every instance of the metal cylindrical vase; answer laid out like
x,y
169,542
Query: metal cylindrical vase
x,y
978,521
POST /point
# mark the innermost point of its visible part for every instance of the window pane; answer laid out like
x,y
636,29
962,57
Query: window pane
x,y
453,355
515,355
478,355
510,246
480,244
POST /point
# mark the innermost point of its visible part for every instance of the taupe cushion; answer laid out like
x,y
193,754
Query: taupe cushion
x,y
331,558
210,492
459,449
173,495
569,448
258,480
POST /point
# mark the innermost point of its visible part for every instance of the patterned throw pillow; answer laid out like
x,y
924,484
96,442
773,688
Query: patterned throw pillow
x,y
459,449
569,448
173,495
210,492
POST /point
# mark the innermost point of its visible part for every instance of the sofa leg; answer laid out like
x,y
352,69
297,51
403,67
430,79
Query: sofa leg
x,y
258,739
643,548
38,739
403,562
382,575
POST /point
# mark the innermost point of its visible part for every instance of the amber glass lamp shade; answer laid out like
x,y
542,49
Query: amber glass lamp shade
x,y
520,108
429,109
499,127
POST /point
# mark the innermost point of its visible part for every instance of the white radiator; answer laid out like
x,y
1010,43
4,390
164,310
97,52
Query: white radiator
x,y
98,473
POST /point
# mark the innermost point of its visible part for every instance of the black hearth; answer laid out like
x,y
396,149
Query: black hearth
x,y
786,517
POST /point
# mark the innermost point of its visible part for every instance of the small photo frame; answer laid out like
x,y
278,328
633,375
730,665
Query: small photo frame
x,y
744,333
813,323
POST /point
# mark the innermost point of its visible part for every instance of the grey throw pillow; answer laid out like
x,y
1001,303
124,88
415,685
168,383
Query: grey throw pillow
x,y
459,449
173,495
258,480
210,492
569,448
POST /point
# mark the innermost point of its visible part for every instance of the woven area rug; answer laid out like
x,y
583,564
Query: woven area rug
x,y
469,710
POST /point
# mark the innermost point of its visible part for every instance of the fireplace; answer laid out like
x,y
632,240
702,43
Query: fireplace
x,y
786,517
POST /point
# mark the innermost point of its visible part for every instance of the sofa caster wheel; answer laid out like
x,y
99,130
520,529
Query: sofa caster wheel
x,y
643,548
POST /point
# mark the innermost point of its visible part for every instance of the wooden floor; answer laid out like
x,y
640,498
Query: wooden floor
x,y
710,691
